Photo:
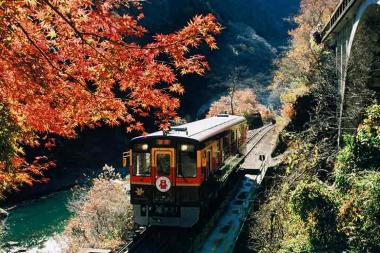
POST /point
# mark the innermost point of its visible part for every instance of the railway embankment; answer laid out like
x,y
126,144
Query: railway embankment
x,y
227,230
305,183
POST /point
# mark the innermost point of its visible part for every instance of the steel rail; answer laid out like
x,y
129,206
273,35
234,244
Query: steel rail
x,y
134,242
259,130
264,130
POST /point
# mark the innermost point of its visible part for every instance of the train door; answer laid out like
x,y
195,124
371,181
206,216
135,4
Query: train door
x,y
163,173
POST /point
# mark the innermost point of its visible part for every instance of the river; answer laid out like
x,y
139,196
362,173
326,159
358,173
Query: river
x,y
33,222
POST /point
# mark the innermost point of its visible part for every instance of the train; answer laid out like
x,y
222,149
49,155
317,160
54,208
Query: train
x,y
176,174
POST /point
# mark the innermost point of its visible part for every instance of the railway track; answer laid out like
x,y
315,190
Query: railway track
x,y
158,240
257,137
137,240
263,130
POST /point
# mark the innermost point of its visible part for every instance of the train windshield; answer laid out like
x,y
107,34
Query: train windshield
x,y
187,162
141,164
163,164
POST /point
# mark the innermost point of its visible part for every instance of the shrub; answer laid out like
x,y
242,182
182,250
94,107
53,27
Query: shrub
x,y
315,206
360,152
359,214
357,179
367,148
345,164
103,215
288,111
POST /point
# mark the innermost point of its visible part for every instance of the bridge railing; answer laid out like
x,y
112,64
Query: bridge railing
x,y
339,12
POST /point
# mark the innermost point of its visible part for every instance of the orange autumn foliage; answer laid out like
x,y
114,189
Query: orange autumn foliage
x,y
66,64
245,103
288,111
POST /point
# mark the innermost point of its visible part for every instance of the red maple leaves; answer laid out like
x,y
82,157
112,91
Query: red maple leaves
x,y
66,64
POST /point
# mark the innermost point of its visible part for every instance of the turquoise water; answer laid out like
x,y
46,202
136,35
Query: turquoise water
x,y
32,222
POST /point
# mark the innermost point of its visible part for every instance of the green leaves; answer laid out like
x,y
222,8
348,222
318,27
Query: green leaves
x,y
8,135
316,207
357,179
360,211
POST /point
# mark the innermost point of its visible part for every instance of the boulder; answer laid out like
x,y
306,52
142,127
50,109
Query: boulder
x,y
10,244
3,213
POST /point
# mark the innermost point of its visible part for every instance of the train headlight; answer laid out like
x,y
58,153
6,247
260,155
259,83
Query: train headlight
x,y
184,147
144,147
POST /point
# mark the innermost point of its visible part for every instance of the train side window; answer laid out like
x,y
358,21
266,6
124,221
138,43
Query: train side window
x,y
233,141
141,164
218,154
209,162
226,146
187,162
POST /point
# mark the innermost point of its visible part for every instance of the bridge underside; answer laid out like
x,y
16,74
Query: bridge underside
x,y
361,78
357,43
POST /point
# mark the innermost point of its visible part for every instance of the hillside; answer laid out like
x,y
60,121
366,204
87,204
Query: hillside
x,y
255,33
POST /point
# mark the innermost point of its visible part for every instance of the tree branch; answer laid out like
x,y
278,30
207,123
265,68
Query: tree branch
x,y
80,35
60,71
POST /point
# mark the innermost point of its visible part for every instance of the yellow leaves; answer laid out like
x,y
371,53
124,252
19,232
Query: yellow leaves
x,y
52,34
177,88
288,111
301,58
31,3
244,102
297,90
101,221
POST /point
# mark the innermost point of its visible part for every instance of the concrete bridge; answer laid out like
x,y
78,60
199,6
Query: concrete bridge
x,y
354,32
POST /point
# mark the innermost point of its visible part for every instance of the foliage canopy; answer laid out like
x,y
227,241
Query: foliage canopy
x,y
66,64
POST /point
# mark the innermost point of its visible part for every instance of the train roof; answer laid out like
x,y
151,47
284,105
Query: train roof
x,y
196,131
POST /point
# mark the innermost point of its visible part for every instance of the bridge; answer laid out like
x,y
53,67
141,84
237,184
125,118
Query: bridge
x,y
354,32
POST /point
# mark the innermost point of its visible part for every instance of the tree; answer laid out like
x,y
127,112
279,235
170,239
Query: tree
x,y
244,103
67,64
234,78
303,56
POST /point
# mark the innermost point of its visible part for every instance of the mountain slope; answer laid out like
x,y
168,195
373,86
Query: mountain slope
x,y
255,32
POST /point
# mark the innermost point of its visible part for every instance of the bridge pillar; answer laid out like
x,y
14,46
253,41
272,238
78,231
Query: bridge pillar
x,y
344,40
342,56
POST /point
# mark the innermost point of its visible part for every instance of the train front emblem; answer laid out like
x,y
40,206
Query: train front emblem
x,y
163,184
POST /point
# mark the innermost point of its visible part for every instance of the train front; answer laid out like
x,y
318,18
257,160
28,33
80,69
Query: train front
x,y
165,180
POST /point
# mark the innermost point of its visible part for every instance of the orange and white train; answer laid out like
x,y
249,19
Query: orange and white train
x,y
176,174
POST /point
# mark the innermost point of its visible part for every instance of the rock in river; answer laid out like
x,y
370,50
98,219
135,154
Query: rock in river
x,y
3,214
